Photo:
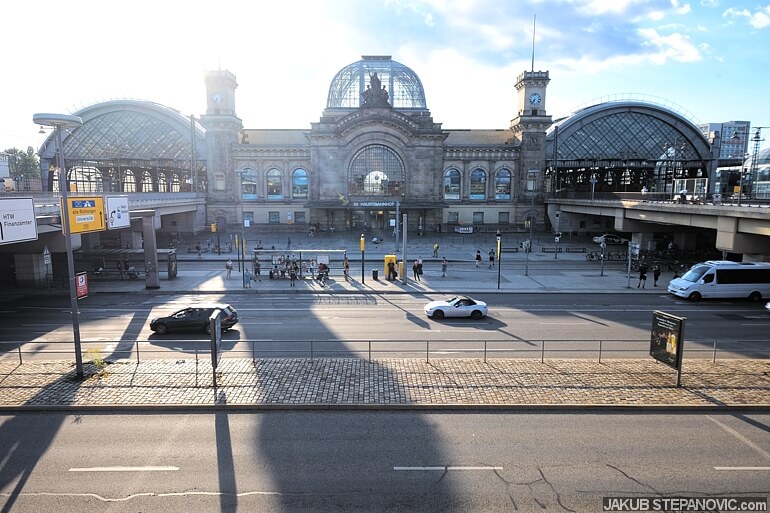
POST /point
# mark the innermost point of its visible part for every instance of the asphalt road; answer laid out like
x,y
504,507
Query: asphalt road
x,y
570,325
374,461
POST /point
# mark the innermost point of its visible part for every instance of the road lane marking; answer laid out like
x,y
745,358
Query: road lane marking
x,y
740,437
741,468
443,469
125,469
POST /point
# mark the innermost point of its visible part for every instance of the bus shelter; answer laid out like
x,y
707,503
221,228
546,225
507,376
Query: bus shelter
x,y
116,263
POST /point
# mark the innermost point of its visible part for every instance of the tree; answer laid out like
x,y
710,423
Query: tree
x,y
23,164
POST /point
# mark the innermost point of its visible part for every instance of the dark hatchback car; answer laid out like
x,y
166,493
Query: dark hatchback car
x,y
195,318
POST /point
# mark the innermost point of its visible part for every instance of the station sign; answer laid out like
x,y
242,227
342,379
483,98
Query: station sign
x,y
118,215
85,214
17,220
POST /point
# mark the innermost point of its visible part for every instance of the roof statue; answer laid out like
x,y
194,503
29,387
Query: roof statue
x,y
376,95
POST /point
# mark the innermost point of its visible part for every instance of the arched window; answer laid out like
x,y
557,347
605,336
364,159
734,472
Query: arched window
x,y
452,184
85,179
147,184
175,185
249,184
129,181
274,185
162,182
299,184
478,185
503,185
376,170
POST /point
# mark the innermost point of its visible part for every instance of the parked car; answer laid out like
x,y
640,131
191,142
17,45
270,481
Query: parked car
x,y
195,318
458,306
610,238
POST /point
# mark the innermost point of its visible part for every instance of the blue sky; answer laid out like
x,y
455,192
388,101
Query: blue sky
x,y
707,59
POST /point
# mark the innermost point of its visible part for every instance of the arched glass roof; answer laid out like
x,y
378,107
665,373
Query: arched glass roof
x,y
402,84
132,130
626,130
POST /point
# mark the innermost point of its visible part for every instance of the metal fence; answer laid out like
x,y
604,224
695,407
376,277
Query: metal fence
x,y
372,349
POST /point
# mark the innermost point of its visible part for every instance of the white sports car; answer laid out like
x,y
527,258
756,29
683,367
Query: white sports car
x,y
459,306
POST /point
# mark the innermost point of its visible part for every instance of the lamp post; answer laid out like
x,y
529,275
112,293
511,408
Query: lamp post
x,y
499,258
363,264
59,122
673,148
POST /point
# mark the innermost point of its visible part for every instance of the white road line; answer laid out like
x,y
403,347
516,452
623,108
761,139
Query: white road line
x,y
741,468
443,469
740,437
124,469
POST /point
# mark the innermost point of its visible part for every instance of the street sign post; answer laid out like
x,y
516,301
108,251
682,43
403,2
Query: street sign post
x,y
17,220
118,215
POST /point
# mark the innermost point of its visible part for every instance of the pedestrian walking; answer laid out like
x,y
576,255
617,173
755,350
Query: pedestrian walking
x,y
257,269
478,258
491,258
655,275
198,249
642,275
435,249
444,265
293,275
415,271
229,267
346,268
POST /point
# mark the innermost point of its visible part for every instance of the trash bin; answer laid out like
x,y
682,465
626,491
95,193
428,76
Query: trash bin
x,y
375,273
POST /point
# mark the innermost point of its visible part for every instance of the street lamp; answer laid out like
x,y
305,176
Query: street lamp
x,y
363,246
673,148
499,258
59,122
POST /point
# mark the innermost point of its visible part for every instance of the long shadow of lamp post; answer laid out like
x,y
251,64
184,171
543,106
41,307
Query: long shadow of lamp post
x,y
59,122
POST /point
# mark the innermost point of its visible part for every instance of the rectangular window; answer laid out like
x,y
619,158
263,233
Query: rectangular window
x,y
503,217
219,182
299,217
274,217
478,218
453,217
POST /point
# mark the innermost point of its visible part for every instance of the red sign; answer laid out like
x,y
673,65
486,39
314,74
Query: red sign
x,y
81,285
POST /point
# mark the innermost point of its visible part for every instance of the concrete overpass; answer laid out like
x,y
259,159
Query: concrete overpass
x,y
735,229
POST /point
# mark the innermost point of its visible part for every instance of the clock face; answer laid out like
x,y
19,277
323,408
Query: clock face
x,y
535,99
217,98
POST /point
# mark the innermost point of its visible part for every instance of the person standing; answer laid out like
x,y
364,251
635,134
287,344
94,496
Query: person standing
x,y
478,258
346,268
444,265
229,267
415,268
247,278
257,269
491,258
198,249
435,249
293,274
655,275
643,268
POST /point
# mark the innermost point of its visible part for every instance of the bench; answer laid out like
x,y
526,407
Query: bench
x,y
546,249
575,250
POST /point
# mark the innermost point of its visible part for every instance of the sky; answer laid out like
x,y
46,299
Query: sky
x,y
708,60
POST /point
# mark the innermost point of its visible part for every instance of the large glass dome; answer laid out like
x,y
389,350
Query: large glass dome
x,y
349,86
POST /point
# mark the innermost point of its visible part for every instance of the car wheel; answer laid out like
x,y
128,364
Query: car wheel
x,y
695,297
438,314
161,329
755,296
476,314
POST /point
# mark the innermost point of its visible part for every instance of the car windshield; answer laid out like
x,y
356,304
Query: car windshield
x,y
695,273
452,300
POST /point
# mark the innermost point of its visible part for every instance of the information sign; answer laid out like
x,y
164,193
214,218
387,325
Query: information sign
x,y
118,215
85,214
81,285
17,220
667,340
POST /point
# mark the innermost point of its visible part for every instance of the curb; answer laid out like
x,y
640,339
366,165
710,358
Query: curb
x,y
521,408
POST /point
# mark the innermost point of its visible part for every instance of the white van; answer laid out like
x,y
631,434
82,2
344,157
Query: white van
x,y
720,278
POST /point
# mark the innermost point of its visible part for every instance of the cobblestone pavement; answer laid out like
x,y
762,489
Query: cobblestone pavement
x,y
409,383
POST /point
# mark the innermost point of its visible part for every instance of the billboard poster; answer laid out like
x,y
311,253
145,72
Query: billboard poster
x,y
81,285
118,215
666,338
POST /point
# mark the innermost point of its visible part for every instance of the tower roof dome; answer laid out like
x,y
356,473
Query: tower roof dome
x,y
349,88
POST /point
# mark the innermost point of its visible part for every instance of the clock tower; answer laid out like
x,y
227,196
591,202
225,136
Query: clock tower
x,y
222,129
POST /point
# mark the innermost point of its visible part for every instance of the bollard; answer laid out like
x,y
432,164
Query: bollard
x,y
427,351
20,359
485,351
714,356
253,357
137,352
542,352
600,351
